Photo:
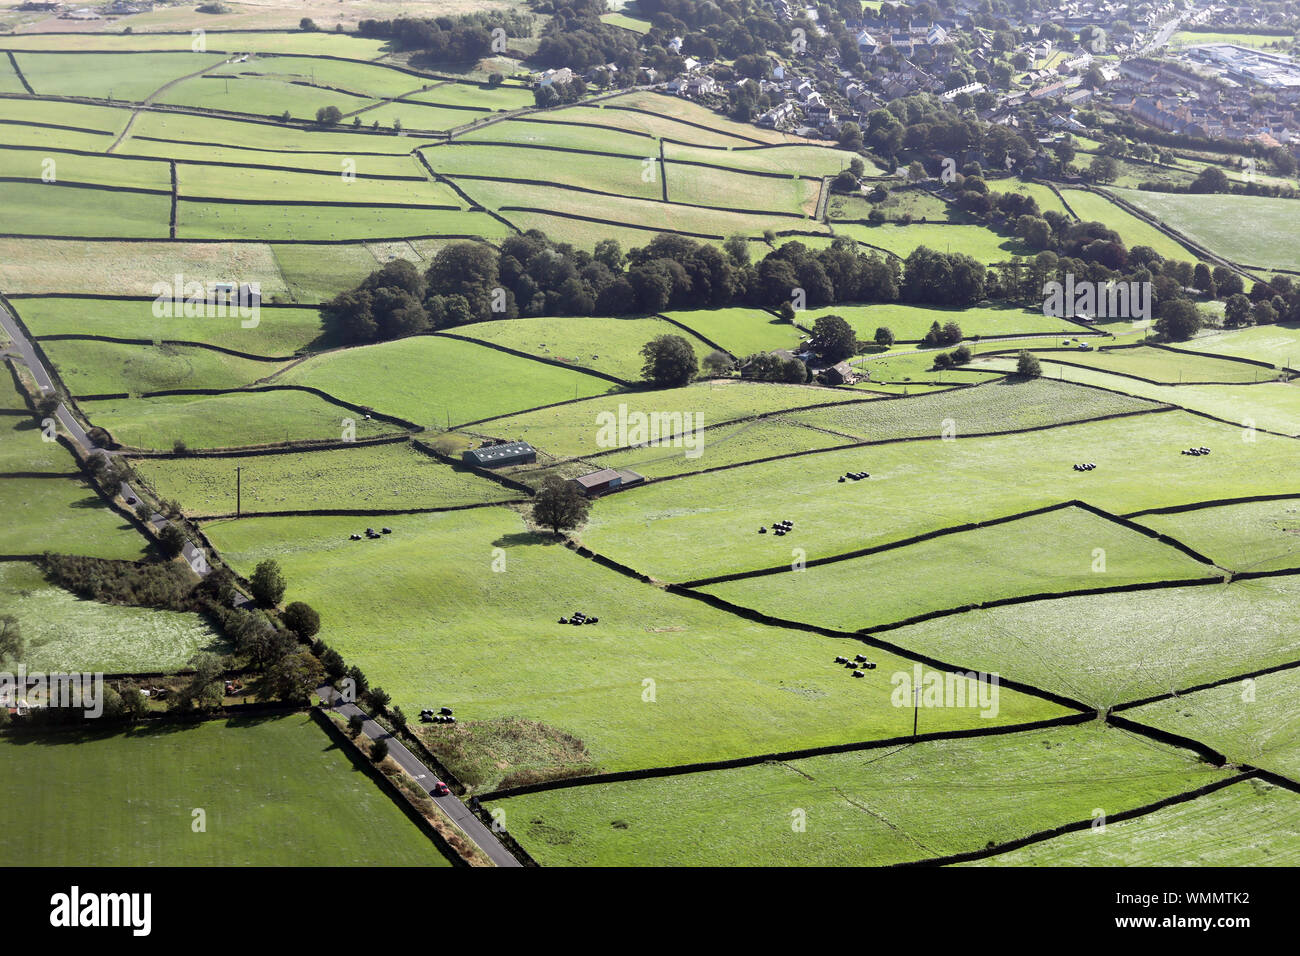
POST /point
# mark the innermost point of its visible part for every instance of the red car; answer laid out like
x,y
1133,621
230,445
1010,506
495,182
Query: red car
x,y
440,789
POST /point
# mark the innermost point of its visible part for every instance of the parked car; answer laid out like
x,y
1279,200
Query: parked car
x,y
440,789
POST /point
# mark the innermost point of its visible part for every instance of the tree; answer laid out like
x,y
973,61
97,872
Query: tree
x,y
398,718
378,751
833,338
171,541
1027,365
717,362
268,582
559,505
307,25
378,698
1179,320
355,725
1236,311
1212,179
885,336
302,619
669,361
1103,169
293,678
205,688
328,115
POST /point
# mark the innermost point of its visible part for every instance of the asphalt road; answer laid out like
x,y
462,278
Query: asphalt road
x,y
449,804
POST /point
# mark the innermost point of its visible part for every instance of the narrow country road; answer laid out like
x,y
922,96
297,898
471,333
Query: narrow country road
x,y
449,804
27,353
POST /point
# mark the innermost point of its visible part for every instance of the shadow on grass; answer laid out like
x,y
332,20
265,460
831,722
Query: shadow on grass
x,y
522,538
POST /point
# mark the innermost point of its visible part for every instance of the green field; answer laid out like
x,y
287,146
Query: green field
x,y
707,524
1247,824
909,323
230,420
379,477
995,406
1276,344
91,367
275,791
1251,230
428,617
1164,366
278,332
576,428
871,808
1251,536
64,515
1091,206
57,209
67,634
469,382
1063,550
609,345
1110,648
742,330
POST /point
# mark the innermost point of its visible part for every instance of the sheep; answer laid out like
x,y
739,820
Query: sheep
x,y
445,711
869,665
860,657
841,660
762,530
859,674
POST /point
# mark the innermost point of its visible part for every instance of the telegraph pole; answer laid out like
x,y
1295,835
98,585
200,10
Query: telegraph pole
x,y
916,708
238,489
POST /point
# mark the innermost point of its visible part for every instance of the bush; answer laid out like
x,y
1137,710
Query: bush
x,y
1027,365
669,361
303,619
379,751
171,541
267,583
328,115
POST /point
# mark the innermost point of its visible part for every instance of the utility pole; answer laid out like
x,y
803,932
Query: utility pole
x,y
916,708
238,489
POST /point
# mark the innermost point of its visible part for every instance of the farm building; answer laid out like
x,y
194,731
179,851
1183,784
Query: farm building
x,y
840,374
501,456
607,479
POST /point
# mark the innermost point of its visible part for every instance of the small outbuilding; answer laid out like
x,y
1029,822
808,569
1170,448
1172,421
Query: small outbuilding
x,y
840,374
598,483
501,455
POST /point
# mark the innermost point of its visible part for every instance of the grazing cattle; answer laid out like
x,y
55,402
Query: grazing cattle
x,y
446,711
859,674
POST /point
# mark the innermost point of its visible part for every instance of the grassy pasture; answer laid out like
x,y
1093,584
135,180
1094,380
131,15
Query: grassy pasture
x,y
1056,551
81,116
1253,230
55,209
437,381
480,96
1251,536
996,406
1247,824
617,209
266,136
90,367
1110,648
1248,721
870,808
674,107
72,167
66,633
1090,206
582,235
223,182
1164,366
609,345
573,429
70,266
132,77
556,134
657,126
725,445
1271,405
202,220
794,160
22,445
16,134
279,331
742,330
909,323
707,186
426,616
64,515
276,792
410,116
1200,38
975,241
224,421
614,174
383,476
223,41
707,524
1276,344
9,82
372,80
315,273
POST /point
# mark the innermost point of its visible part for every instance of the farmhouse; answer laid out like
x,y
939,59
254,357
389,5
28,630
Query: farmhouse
x,y
501,456
597,483
840,374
